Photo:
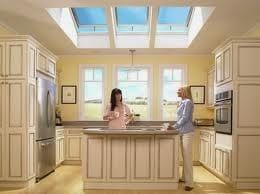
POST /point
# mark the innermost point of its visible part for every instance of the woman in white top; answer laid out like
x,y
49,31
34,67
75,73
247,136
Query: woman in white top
x,y
117,113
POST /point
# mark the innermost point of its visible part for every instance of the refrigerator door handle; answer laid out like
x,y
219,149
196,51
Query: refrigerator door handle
x,y
48,109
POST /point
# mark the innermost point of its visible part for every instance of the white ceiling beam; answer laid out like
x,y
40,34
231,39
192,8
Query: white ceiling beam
x,y
110,25
153,23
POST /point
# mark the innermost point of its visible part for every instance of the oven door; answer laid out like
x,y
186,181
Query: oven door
x,y
223,117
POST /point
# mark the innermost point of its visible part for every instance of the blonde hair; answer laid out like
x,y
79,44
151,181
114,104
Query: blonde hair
x,y
187,92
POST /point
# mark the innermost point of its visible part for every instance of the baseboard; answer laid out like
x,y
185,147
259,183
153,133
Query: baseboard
x,y
131,186
72,162
247,185
17,184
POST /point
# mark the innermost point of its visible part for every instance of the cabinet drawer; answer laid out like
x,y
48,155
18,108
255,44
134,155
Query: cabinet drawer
x,y
60,132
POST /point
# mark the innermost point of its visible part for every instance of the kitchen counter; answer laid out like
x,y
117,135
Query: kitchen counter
x,y
130,159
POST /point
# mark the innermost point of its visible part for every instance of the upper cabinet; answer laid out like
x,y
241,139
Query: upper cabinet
x,y
2,60
46,64
223,66
211,86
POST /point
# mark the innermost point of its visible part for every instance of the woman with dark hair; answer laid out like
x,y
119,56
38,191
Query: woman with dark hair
x,y
117,113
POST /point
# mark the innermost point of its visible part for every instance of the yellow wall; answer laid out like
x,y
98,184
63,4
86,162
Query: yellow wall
x,y
68,67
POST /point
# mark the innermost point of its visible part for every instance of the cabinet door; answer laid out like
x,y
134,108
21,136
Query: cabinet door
x,y
166,158
211,87
94,154
226,161
118,149
212,151
16,155
32,61
219,68
218,160
57,151
2,60
142,158
42,61
73,149
1,155
16,60
51,67
227,65
15,105
62,150
2,105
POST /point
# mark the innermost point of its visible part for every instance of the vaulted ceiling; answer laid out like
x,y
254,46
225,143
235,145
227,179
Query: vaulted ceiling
x,y
230,18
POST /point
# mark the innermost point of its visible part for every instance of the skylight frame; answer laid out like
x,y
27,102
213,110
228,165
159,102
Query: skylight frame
x,y
78,26
187,23
147,25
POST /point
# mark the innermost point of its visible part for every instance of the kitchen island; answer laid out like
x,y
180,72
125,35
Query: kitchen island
x,y
130,159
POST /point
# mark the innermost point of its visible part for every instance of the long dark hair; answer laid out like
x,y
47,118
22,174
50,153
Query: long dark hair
x,y
113,97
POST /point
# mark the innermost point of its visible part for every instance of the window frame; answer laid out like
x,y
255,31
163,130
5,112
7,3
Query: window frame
x,y
149,82
81,90
161,81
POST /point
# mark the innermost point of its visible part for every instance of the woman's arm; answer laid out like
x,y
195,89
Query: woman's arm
x,y
187,114
129,115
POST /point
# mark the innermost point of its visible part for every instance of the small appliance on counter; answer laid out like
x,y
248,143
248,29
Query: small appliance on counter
x,y
204,122
58,119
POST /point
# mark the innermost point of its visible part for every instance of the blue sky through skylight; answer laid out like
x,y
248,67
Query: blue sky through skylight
x,y
132,19
90,19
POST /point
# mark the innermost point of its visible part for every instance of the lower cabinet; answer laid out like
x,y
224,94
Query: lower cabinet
x,y
1,155
60,146
135,159
206,145
73,144
223,162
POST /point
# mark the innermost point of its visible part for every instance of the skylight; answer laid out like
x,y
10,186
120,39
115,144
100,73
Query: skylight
x,y
90,19
132,19
173,19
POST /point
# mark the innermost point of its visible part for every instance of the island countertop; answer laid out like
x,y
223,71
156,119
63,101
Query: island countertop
x,y
145,131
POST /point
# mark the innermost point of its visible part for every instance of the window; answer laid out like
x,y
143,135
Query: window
x,y
90,19
92,84
173,19
132,19
134,83
173,77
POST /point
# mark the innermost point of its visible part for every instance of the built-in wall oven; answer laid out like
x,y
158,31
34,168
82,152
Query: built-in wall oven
x,y
223,112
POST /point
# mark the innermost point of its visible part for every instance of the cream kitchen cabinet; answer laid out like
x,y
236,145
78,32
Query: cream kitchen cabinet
x,y
223,66
18,60
211,87
207,143
73,145
60,146
46,64
223,162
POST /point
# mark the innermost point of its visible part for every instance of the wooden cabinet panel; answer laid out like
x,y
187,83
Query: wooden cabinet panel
x,y
1,155
15,104
73,149
2,106
227,64
32,62
142,158
95,158
15,156
62,150
2,60
42,62
51,67
15,60
219,69
118,158
248,60
31,154
32,106
165,158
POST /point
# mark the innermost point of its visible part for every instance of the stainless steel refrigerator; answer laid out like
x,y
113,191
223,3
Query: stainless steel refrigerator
x,y
45,132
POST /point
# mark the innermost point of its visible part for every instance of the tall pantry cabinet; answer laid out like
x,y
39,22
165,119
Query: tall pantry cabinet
x,y
18,63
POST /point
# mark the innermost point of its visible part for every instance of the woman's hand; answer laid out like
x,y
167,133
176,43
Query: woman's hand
x,y
170,127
